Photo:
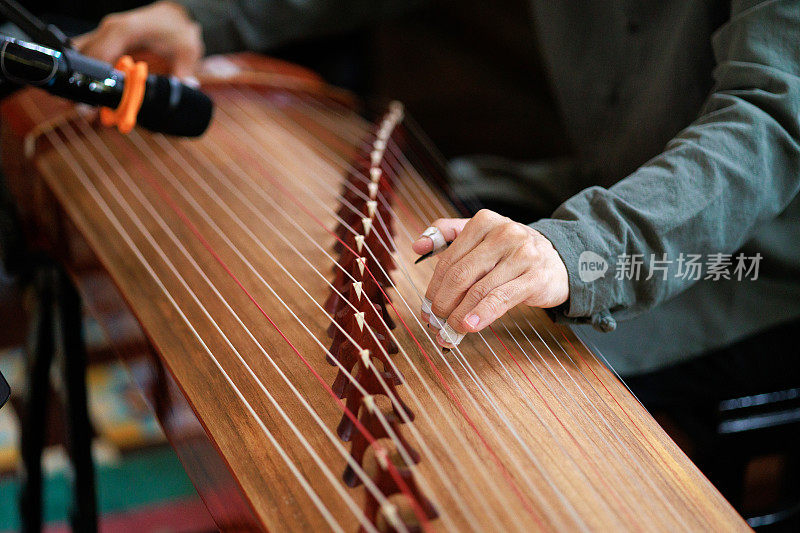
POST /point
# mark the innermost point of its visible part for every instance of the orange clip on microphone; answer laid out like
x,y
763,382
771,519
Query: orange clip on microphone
x,y
124,116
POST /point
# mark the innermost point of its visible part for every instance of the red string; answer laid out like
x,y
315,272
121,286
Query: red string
x,y
525,502
627,415
441,378
564,427
522,497
402,485
603,385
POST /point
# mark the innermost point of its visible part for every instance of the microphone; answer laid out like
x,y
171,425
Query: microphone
x,y
168,106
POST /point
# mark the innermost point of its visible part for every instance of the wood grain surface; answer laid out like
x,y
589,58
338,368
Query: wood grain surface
x,y
205,239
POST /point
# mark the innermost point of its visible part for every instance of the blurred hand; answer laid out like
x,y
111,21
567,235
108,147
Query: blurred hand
x,y
163,28
492,265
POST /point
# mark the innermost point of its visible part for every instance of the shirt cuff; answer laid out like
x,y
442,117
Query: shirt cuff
x,y
587,299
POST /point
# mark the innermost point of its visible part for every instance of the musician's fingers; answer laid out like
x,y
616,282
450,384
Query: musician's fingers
x,y
164,28
116,35
507,270
187,56
485,261
491,307
450,228
80,41
473,233
100,45
530,271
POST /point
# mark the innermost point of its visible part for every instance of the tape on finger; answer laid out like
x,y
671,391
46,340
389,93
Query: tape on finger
x,y
436,322
447,333
426,306
450,336
435,235
433,320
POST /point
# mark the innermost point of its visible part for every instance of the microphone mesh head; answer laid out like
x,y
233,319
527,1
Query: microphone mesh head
x,y
174,108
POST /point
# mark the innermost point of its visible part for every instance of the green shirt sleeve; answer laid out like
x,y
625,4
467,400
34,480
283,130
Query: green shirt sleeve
x,y
735,167
259,25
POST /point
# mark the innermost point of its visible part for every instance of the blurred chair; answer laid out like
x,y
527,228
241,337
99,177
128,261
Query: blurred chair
x,y
753,433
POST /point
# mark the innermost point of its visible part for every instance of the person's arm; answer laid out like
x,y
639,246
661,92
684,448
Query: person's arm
x,y
736,166
264,24
164,28
183,31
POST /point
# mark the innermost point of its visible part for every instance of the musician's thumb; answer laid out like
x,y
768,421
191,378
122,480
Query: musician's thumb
x,y
450,229
186,57
184,70
103,47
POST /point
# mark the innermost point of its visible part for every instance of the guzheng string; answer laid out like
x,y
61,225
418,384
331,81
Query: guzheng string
x,y
400,409
512,356
425,191
269,198
671,508
137,140
163,193
443,213
145,154
112,218
595,349
619,454
647,479
151,156
414,174
466,367
233,132
606,487
533,386
521,468
551,369
554,415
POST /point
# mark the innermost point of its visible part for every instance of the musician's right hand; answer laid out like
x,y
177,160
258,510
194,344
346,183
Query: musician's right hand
x,y
163,28
492,265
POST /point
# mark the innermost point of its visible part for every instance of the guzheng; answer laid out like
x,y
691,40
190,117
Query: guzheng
x,y
269,266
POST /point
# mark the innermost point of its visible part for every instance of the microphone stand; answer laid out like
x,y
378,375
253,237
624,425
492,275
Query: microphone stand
x,y
58,304
40,33
44,34
5,391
